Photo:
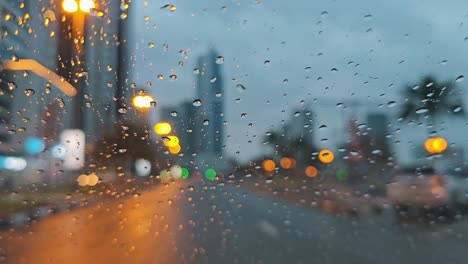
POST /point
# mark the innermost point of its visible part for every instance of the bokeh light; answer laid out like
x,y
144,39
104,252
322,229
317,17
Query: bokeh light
x,y
142,167
171,141
87,5
34,145
162,128
176,171
93,179
185,173
83,180
268,165
436,145
342,174
287,163
165,175
326,156
175,150
210,174
311,171
142,101
70,6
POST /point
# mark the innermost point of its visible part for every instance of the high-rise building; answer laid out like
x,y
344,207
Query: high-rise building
x,y
25,29
377,124
102,67
209,116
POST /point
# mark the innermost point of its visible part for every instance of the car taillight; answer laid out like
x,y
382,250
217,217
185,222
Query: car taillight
x,y
438,181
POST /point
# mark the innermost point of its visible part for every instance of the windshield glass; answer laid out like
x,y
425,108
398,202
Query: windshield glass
x,y
233,131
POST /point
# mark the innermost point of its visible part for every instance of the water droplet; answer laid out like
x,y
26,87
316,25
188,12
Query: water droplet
x,y
197,102
169,7
285,81
457,109
368,16
322,126
122,110
206,122
219,94
267,63
241,87
334,70
460,78
173,77
243,115
391,104
196,71
151,45
122,150
219,60
160,77
421,111
174,114
212,80
339,105
29,92
308,69
296,114
12,86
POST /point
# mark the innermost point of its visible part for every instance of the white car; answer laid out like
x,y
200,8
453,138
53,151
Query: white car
x,y
422,190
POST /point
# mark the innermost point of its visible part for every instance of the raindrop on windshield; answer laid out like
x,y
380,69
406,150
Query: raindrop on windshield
x,y
197,102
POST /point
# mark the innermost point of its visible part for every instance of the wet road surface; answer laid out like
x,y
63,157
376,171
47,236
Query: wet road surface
x,y
194,222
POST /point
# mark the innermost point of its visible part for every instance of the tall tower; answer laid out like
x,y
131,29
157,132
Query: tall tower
x,y
209,123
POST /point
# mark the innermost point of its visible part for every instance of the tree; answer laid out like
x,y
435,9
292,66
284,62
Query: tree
x,y
430,99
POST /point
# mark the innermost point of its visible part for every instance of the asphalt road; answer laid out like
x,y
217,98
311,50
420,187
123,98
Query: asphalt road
x,y
193,222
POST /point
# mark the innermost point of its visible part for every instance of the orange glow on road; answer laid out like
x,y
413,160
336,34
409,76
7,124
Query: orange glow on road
x,y
268,165
326,156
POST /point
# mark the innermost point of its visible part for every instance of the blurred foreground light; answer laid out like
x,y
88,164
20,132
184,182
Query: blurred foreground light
x,y
268,165
12,163
311,171
143,101
185,173
175,150
162,128
93,179
287,163
326,156
34,145
342,174
74,142
87,5
210,174
83,180
171,141
58,151
70,6
142,167
165,175
436,145
176,171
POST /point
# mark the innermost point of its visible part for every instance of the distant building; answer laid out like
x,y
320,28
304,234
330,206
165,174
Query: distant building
x,y
23,95
377,124
102,67
209,116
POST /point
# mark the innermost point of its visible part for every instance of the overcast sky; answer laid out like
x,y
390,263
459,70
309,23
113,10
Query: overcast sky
x,y
375,46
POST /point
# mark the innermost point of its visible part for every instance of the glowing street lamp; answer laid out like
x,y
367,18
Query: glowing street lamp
x,y
171,141
87,5
436,145
162,128
143,101
70,6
